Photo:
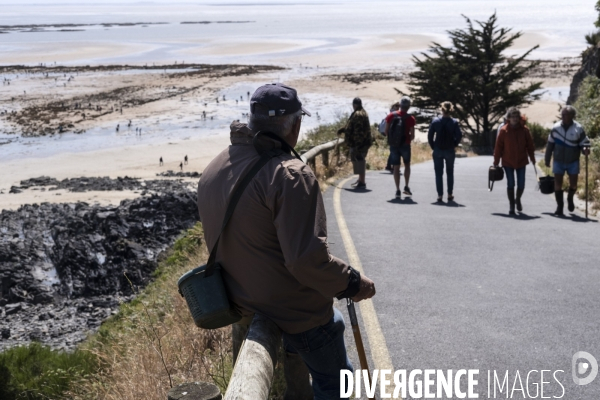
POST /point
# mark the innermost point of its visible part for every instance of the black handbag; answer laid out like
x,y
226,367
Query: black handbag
x,y
495,174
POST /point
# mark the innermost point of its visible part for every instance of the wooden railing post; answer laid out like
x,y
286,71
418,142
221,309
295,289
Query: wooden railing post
x,y
195,391
253,371
325,156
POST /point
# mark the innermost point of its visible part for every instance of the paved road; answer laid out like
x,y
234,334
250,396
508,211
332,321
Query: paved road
x,y
466,286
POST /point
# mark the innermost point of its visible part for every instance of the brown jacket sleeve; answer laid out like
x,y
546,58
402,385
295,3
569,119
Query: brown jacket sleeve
x,y
299,218
499,147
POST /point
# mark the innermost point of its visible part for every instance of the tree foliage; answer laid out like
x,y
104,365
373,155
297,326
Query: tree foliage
x,y
475,74
598,9
588,106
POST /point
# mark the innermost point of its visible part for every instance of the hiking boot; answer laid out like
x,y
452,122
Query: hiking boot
x,y
570,202
560,203
398,194
360,185
518,200
407,191
511,200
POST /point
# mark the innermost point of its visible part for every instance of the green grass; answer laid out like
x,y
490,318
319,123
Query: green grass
x,y
35,371
321,134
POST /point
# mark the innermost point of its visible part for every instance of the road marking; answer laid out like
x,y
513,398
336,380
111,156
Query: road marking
x,y
379,349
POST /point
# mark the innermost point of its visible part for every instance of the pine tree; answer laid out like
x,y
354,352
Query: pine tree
x,y
475,74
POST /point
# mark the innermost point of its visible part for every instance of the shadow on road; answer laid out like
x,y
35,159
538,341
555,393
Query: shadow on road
x,y
406,200
572,217
521,216
451,203
358,190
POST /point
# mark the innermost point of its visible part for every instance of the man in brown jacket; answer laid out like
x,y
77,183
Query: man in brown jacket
x,y
274,253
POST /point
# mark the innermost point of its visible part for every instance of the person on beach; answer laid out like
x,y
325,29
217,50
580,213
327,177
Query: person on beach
x,y
358,138
181,166
274,252
160,162
513,146
443,137
117,128
395,122
185,159
565,144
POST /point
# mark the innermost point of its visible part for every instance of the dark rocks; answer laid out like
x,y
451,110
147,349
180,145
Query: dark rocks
x,y
590,66
86,184
5,333
172,174
64,268
12,308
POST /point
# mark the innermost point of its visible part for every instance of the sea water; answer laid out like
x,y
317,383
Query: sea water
x,y
324,26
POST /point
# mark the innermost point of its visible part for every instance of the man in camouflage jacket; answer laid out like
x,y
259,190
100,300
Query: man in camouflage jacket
x,y
358,138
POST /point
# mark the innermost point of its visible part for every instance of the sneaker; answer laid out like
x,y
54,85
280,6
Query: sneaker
x,y
407,191
398,195
355,184
361,185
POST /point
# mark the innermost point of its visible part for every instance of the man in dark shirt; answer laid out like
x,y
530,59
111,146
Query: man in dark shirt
x,y
443,137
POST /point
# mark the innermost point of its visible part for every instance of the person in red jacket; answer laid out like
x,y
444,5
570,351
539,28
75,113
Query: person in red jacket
x,y
514,146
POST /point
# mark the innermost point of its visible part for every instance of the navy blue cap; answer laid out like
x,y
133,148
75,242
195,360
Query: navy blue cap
x,y
276,99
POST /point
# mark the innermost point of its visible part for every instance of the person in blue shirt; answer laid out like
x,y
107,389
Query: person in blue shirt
x,y
444,135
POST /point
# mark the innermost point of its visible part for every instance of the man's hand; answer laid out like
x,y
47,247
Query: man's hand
x,y
496,165
547,164
367,289
341,130
586,151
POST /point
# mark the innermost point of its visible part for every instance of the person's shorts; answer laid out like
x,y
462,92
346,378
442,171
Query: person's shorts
x,y
570,168
400,151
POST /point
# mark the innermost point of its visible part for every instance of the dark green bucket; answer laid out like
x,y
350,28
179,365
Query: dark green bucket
x,y
207,299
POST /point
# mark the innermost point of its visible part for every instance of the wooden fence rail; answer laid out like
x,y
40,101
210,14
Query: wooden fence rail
x,y
322,149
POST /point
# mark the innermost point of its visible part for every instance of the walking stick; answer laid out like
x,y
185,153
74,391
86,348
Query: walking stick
x,y
586,185
360,348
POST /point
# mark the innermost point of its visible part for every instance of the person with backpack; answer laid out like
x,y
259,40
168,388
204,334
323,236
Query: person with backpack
x,y
400,131
514,145
358,138
381,129
565,144
444,135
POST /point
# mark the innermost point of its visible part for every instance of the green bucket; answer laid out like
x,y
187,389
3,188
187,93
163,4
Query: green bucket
x,y
206,298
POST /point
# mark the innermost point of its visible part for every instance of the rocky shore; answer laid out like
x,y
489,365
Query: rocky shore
x,y
87,184
64,268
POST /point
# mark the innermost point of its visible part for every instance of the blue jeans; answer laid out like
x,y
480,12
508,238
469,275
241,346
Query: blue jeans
x,y
323,351
510,177
439,156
